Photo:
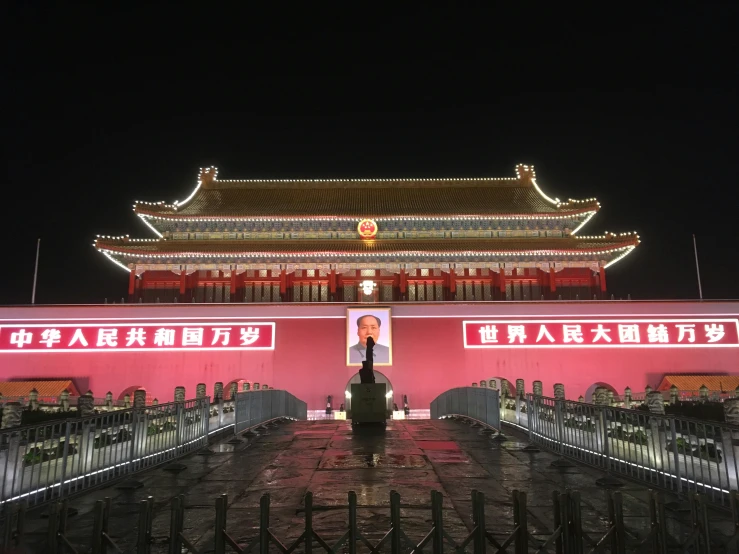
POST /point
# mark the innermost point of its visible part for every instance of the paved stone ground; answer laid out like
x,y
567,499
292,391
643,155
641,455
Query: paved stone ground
x,y
330,459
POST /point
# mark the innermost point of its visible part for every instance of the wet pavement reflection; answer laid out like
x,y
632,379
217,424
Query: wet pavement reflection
x,y
329,459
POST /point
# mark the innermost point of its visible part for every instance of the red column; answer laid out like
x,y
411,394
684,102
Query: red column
x,y
233,283
403,281
283,281
131,282
183,281
452,281
502,280
332,281
552,280
602,273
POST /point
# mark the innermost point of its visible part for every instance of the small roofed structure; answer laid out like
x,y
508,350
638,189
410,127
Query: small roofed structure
x,y
46,389
722,383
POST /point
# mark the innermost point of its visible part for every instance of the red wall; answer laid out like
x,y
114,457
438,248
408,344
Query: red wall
x,y
428,353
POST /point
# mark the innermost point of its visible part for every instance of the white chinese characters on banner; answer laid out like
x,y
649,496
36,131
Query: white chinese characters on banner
x,y
249,336
488,334
600,333
65,337
164,337
21,338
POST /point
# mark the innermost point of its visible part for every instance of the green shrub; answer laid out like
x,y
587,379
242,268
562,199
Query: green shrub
x,y
33,456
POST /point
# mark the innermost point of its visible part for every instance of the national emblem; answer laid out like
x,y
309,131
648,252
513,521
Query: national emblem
x,y
367,229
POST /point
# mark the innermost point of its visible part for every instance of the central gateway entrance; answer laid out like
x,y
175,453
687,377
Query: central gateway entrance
x,y
355,380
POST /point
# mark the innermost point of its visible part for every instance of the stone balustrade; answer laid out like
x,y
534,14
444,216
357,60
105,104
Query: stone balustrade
x,y
606,396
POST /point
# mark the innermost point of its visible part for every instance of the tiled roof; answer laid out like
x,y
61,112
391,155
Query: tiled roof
x,y
303,247
727,383
44,388
373,203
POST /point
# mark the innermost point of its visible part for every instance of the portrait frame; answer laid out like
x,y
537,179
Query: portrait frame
x,y
384,314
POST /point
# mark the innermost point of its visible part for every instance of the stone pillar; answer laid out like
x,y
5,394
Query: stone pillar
x,y
155,402
109,401
656,403
647,390
139,424
265,386
505,388
657,435
127,401
139,399
86,405
33,400
601,396
560,412
520,396
234,390
609,396
179,394
200,390
256,386
483,383
217,391
538,388
581,399
493,384
593,398
627,398
474,384
673,394
703,392
12,415
64,400
730,441
246,387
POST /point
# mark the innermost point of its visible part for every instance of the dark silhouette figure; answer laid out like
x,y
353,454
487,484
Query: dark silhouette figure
x,y
367,373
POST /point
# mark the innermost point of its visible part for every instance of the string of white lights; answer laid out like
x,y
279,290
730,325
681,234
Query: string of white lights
x,y
330,253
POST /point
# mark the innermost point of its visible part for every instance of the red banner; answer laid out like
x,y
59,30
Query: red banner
x,y
137,337
601,333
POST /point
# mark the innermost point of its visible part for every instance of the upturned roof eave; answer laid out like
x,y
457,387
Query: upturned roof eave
x,y
408,247
170,215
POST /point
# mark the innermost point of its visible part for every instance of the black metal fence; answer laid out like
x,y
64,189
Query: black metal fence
x,y
45,462
680,454
567,535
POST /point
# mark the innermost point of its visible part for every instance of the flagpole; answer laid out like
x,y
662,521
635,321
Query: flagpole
x,y
35,272
697,269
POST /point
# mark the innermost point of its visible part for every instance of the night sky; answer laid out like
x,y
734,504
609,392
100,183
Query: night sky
x,y
637,107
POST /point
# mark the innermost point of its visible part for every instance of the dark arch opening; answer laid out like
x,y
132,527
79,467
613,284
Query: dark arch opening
x,y
131,390
591,389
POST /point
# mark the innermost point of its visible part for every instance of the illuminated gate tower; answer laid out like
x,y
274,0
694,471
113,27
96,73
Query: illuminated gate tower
x,y
381,240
